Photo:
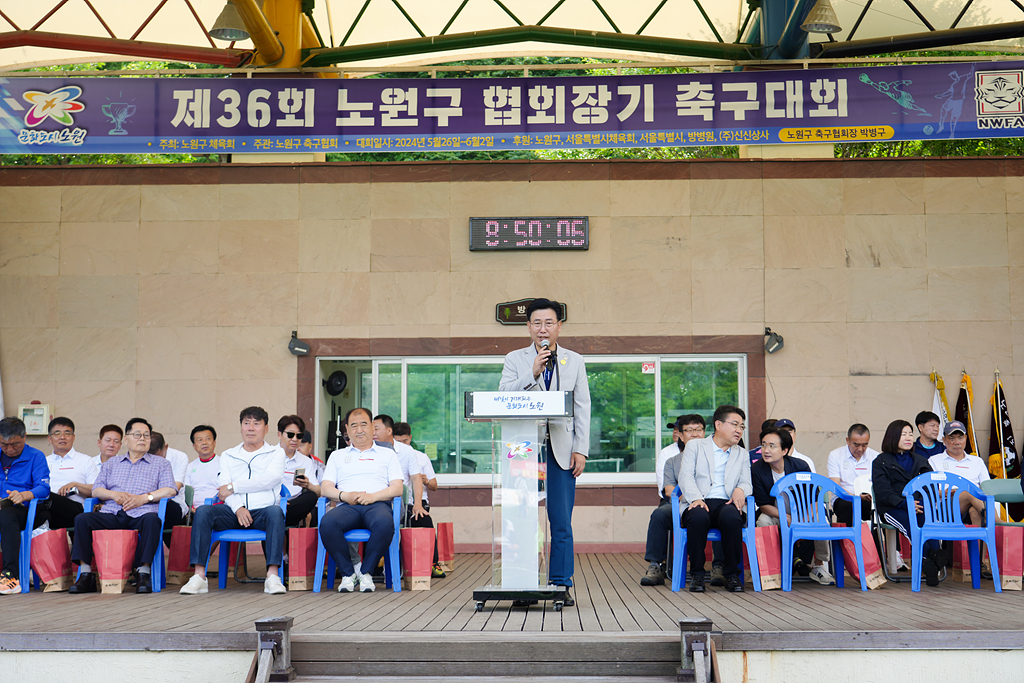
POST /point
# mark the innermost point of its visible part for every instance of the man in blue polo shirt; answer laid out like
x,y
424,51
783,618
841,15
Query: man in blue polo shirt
x,y
24,475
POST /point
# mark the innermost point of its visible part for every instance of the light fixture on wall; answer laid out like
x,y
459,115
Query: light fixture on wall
x,y
774,341
821,19
297,346
229,25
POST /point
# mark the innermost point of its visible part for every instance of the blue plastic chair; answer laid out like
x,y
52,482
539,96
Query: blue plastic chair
x,y
940,497
392,567
238,536
679,555
25,556
159,571
811,520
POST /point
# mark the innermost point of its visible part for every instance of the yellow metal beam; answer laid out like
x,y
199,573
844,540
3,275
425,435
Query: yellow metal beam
x,y
269,50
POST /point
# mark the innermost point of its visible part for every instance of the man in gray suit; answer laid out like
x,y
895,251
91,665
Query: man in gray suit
x,y
715,482
544,366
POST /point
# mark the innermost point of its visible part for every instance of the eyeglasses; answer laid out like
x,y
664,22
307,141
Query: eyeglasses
x,y
693,430
738,425
293,435
139,436
60,434
543,324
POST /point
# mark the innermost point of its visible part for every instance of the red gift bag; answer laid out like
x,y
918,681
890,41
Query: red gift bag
x,y
301,558
1010,555
872,564
179,571
114,551
417,556
961,570
446,545
769,556
51,560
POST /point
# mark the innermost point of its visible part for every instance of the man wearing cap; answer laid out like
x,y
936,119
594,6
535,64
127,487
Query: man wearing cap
x,y
957,461
845,465
684,429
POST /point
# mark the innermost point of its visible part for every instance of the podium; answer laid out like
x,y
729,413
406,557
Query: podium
x,y
519,524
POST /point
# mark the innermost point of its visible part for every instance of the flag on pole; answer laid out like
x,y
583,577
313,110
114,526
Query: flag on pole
x,y
964,412
940,406
1003,461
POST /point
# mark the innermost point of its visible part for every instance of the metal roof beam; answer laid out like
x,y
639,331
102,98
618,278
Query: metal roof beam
x,y
918,41
128,48
519,34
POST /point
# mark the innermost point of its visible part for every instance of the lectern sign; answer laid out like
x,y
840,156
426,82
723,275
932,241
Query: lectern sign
x,y
483,405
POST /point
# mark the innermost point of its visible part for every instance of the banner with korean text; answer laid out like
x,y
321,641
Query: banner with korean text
x,y
231,115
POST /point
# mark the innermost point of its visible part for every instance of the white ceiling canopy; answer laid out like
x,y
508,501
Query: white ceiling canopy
x,y
63,24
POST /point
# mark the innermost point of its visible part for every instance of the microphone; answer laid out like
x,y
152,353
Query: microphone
x,y
544,344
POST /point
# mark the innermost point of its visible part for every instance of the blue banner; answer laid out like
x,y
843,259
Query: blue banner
x,y
223,116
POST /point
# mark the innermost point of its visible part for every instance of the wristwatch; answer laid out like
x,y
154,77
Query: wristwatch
x,y
151,498
231,487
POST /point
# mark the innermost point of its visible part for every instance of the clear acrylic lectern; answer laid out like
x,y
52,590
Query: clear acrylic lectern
x,y
519,525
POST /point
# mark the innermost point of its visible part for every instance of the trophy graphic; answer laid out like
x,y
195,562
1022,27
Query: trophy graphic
x,y
118,112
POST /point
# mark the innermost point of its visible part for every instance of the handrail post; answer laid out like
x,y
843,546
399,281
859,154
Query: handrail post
x,y
697,651
275,635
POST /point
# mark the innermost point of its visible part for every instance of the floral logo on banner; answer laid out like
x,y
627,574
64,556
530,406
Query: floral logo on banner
x,y
58,105
521,449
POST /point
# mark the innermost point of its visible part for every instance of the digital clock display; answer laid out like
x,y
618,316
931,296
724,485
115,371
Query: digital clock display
x,y
514,234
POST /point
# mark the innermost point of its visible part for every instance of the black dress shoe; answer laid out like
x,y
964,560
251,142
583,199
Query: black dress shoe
x,y
568,601
733,584
145,584
697,583
942,557
86,583
930,571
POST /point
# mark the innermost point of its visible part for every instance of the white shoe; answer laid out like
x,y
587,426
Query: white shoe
x,y
366,584
358,566
273,585
195,586
348,583
821,575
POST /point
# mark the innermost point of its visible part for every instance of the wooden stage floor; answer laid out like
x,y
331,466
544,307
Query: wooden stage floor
x,y
608,596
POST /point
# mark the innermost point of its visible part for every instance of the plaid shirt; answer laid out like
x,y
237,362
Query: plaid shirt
x,y
149,473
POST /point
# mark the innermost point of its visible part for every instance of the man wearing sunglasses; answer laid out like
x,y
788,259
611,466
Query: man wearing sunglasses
x,y
299,471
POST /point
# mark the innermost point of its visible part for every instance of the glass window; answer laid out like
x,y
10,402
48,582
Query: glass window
x,y
622,419
632,399
694,386
436,409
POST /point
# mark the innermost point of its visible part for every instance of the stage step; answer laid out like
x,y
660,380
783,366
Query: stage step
x,y
490,679
510,657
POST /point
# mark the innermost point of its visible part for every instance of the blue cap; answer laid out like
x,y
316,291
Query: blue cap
x,y
784,422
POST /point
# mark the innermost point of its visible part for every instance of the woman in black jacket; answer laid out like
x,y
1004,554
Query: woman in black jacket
x,y
894,467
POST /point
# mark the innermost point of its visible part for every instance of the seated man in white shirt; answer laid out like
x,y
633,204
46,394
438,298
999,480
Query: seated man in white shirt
x,y
71,475
957,461
383,433
201,474
299,472
250,485
845,464
364,479
109,444
402,435
176,508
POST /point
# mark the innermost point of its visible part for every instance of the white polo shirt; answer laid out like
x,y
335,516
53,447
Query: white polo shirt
x,y
801,456
426,467
971,467
846,468
179,463
371,470
410,464
202,477
659,464
71,467
297,461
